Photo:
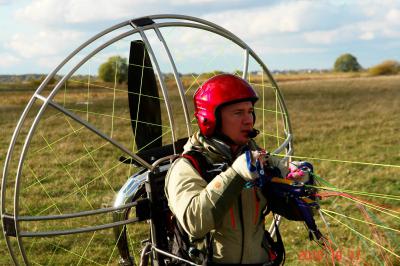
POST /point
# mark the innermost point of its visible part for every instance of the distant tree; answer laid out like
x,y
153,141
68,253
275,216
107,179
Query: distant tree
x,y
212,73
169,76
238,72
116,68
388,67
37,81
346,63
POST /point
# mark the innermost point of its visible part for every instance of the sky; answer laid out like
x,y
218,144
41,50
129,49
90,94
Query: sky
x,y
36,35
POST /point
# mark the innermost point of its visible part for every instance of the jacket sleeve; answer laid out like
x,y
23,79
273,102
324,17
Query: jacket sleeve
x,y
199,206
280,163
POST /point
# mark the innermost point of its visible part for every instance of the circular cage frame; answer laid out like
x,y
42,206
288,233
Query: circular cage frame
x,y
11,222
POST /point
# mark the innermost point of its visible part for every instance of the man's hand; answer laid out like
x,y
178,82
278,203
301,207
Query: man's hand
x,y
249,164
300,171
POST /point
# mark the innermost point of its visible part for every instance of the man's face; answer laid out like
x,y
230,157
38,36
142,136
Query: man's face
x,y
237,121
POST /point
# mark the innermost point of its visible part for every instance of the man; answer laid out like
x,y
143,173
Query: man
x,y
226,207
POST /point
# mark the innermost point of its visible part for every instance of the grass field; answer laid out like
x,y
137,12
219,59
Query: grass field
x,y
353,120
348,127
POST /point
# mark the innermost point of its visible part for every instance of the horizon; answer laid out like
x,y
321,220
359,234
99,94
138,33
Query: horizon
x,y
273,71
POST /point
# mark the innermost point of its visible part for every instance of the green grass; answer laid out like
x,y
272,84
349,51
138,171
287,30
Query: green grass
x,y
353,119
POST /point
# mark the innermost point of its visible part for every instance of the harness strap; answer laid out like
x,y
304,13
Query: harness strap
x,y
257,206
232,214
200,163
194,162
276,249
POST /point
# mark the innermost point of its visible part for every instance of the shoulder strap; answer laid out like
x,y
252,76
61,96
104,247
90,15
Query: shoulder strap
x,y
200,163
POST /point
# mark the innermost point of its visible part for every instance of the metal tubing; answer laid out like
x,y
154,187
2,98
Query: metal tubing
x,y
5,171
202,21
127,193
77,50
190,18
40,88
245,64
33,127
239,42
96,131
230,36
178,81
78,230
236,40
173,256
32,100
276,219
75,215
284,145
30,103
225,33
38,116
163,159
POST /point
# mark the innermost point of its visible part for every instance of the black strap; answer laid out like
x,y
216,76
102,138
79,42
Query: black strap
x,y
277,247
200,163
141,22
280,248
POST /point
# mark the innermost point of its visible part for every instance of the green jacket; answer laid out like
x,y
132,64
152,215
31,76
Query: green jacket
x,y
233,214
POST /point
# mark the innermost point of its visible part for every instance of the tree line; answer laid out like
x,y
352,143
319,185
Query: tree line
x,y
116,67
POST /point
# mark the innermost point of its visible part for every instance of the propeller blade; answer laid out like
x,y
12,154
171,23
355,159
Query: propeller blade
x,y
144,103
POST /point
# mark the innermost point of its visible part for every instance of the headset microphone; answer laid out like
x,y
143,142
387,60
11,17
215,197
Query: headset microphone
x,y
253,133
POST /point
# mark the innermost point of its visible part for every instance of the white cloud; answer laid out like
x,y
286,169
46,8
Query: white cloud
x,y
393,16
288,50
391,33
384,23
321,37
367,36
100,10
45,11
49,62
8,60
284,28
372,8
43,43
252,23
347,33
5,2
366,31
76,11
284,18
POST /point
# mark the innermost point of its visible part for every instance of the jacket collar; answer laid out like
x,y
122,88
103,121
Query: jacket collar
x,y
213,148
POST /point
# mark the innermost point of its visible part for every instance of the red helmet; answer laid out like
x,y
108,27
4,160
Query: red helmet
x,y
218,91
